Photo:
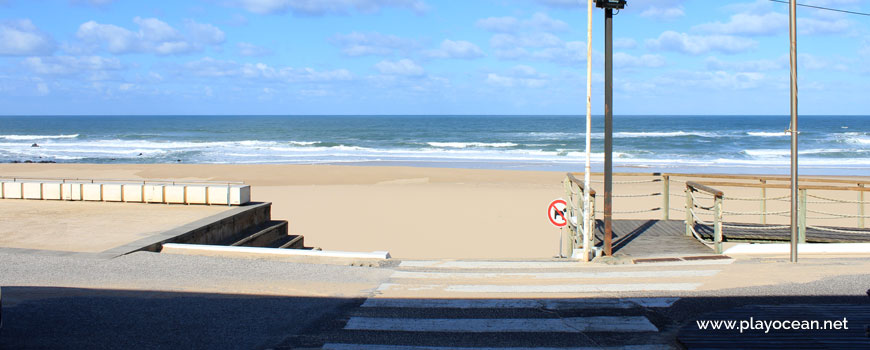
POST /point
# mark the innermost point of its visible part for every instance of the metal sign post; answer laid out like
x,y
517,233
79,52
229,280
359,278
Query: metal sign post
x,y
792,8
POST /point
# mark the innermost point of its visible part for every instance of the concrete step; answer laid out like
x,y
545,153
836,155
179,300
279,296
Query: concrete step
x,y
264,235
289,242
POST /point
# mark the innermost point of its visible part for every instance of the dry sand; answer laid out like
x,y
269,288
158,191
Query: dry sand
x,y
423,212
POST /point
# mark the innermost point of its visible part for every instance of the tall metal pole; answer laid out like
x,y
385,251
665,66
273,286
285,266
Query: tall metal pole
x,y
792,8
608,131
586,177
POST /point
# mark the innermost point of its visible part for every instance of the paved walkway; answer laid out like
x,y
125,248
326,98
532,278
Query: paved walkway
x,y
512,305
89,227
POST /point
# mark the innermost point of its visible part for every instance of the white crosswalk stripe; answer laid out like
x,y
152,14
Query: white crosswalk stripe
x,y
332,346
506,305
496,325
549,304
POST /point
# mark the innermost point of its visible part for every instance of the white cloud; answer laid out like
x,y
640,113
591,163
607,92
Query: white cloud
x,y
519,76
812,26
624,43
748,23
42,89
715,80
251,50
751,22
624,60
67,65
154,36
716,64
456,49
499,24
667,13
93,2
696,45
22,38
322,7
361,44
533,40
538,22
205,33
212,68
404,67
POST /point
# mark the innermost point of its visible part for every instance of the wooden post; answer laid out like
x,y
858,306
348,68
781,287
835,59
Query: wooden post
x,y
717,224
763,202
802,218
690,221
590,229
861,207
666,197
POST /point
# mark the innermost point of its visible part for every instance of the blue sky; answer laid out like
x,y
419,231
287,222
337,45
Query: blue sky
x,y
423,57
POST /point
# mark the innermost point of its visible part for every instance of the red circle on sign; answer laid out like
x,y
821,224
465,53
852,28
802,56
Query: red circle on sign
x,y
553,213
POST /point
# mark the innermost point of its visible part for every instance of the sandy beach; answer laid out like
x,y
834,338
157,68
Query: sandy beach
x,y
422,213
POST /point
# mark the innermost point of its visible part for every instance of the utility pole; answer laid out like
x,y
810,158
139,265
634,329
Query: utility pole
x,y
608,6
793,129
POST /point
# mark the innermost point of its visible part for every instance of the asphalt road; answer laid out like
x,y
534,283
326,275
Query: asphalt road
x,y
156,301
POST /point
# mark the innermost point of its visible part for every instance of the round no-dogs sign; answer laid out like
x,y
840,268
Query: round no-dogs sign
x,y
557,212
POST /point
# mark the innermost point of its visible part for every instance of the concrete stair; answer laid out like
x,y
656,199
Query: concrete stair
x,y
245,226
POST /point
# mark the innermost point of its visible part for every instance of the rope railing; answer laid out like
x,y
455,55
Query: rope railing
x,y
706,206
836,200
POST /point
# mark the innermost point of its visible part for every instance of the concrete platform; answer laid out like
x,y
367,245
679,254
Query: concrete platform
x,y
92,227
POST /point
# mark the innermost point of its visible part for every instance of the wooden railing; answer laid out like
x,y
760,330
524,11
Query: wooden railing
x,y
692,217
812,200
581,227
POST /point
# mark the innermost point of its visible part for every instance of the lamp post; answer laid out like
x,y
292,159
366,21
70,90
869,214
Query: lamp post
x,y
608,6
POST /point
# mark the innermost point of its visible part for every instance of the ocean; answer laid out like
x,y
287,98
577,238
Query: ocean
x,y
835,145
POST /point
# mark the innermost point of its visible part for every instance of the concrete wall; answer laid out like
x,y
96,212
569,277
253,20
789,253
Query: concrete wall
x,y
218,229
126,192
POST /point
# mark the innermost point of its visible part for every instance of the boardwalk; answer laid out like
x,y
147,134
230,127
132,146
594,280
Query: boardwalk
x,y
664,238
652,238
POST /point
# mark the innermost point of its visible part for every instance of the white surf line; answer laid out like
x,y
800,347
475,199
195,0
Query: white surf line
x,y
550,304
504,325
554,275
559,288
337,346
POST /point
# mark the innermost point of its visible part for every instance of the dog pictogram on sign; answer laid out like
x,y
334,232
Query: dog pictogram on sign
x,y
557,212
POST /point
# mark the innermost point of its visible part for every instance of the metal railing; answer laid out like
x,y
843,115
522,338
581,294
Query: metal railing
x,y
581,228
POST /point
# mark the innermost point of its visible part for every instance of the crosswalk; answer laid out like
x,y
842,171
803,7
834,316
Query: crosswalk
x,y
503,305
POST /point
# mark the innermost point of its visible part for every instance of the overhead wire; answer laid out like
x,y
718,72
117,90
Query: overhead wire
x,y
824,8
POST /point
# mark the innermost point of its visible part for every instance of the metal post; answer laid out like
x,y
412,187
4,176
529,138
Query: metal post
x,y
792,9
861,207
690,221
763,202
802,221
588,224
717,224
666,197
608,131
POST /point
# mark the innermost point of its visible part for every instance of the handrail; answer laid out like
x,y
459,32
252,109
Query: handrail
x,y
705,188
743,177
784,186
691,217
581,228
579,183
